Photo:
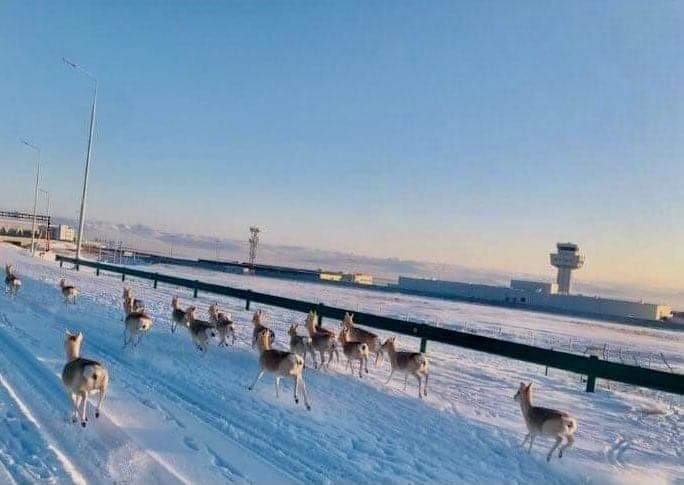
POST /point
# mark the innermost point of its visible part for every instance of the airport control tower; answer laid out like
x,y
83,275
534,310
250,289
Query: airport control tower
x,y
566,259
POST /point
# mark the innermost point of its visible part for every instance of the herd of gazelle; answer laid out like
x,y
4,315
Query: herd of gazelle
x,y
82,377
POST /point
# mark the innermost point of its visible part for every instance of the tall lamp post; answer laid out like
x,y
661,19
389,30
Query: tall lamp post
x,y
35,195
81,217
47,232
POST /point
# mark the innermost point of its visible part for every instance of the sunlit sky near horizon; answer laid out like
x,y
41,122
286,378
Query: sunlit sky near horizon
x,y
475,133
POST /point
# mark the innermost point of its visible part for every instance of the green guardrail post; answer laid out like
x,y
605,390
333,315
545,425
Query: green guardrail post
x,y
78,267
155,280
320,313
423,345
194,293
123,276
591,378
97,272
247,301
61,263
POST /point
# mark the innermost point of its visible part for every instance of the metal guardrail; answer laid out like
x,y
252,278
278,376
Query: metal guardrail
x,y
592,366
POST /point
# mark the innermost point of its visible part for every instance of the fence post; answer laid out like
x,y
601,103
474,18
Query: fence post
x,y
61,263
591,378
123,276
320,314
194,293
156,275
78,267
97,271
247,300
423,345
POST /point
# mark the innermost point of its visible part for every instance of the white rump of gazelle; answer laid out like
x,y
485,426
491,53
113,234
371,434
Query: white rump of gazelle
x,y
137,323
545,421
281,364
82,377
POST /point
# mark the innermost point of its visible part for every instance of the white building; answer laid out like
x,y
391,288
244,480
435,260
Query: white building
x,y
539,295
62,232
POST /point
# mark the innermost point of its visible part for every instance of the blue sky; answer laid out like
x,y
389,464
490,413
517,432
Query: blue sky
x,y
476,133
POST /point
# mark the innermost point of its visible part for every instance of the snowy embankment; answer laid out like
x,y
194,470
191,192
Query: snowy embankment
x,y
173,415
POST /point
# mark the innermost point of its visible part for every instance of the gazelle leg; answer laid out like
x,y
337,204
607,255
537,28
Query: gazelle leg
x,y
568,443
527,436
103,393
84,403
420,384
76,402
427,375
306,394
258,376
390,377
532,437
296,388
277,384
365,361
558,442
405,380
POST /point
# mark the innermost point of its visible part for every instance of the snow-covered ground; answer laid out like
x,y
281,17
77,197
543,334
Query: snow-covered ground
x,y
176,416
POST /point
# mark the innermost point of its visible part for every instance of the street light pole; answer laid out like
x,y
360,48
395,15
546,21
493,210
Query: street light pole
x,y
81,219
35,196
47,232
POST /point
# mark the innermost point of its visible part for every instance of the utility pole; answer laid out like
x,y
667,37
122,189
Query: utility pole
x,y
81,218
35,196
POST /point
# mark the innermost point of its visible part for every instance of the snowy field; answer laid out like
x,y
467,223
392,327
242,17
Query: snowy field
x,y
174,416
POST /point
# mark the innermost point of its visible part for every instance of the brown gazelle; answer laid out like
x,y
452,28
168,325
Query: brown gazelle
x,y
12,283
177,314
299,344
81,377
69,292
258,322
138,305
281,364
354,351
321,342
545,421
414,363
357,334
200,330
137,323
224,324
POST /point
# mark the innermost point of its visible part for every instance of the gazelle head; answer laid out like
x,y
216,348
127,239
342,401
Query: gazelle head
x,y
348,319
62,283
8,269
72,345
292,331
389,345
524,393
311,319
258,317
175,302
127,293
